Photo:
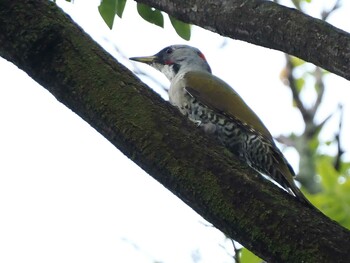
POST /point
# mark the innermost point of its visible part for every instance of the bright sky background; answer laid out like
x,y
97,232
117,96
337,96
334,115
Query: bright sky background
x,y
67,195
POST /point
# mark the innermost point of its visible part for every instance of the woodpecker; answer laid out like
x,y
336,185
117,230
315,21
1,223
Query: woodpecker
x,y
218,109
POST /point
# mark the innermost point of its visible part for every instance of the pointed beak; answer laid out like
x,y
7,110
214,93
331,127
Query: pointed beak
x,y
147,60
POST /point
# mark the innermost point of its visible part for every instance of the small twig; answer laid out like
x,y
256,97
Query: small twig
x,y
287,141
340,151
320,87
205,224
140,72
304,112
237,251
296,3
317,128
325,14
137,69
224,43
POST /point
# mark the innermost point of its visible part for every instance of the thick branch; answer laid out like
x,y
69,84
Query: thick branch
x,y
270,25
37,37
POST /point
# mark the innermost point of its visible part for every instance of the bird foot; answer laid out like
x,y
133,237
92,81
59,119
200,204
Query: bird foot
x,y
197,123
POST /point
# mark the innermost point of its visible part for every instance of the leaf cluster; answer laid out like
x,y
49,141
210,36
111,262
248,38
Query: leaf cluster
x,y
109,8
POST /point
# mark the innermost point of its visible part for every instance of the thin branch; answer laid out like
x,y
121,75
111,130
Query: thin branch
x,y
237,251
136,69
288,141
340,151
325,14
140,72
292,84
317,128
296,3
320,88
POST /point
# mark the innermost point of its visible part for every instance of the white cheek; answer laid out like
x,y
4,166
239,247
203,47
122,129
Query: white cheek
x,y
168,71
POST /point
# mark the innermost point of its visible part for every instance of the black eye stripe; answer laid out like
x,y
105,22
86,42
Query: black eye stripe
x,y
176,68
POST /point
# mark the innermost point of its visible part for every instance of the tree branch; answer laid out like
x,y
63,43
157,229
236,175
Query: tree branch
x,y
267,24
305,113
37,37
320,88
340,151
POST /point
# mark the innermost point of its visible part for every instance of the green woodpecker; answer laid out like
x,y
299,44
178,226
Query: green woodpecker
x,y
215,107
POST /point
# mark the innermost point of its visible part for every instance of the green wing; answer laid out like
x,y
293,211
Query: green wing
x,y
219,96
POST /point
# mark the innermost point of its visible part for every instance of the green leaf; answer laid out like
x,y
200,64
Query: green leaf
x,y
107,10
120,7
298,3
329,175
297,61
150,14
334,200
248,257
299,84
345,168
181,28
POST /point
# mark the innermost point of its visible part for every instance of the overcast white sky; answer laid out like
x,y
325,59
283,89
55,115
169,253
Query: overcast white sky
x,y
67,195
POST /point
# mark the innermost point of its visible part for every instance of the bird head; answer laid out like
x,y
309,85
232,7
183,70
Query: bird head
x,y
175,59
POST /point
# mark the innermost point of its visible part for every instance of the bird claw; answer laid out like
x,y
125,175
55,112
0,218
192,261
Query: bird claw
x,y
197,123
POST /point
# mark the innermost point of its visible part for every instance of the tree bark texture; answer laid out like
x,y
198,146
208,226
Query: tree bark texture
x,y
267,24
36,36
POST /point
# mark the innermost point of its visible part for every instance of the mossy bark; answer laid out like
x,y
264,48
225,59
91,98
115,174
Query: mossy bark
x,y
37,37
267,24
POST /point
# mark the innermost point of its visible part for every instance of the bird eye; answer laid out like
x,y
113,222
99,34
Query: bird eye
x,y
168,51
